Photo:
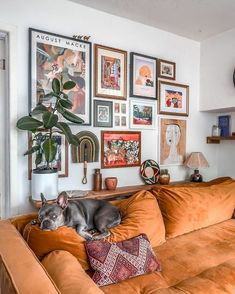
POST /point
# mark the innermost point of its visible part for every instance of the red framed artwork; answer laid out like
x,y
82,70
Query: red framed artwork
x,y
120,149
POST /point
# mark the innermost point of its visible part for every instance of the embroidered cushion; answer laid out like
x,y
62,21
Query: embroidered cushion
x,y
115,262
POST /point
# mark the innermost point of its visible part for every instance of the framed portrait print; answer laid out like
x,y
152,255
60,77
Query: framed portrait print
x,y
166,69
110,72
173,99
120,149
142,114
61,160
172,141
63,57
143,76
103,113
120,117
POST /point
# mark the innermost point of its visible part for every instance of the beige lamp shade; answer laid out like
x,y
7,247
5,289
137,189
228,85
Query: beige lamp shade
x,y
196,160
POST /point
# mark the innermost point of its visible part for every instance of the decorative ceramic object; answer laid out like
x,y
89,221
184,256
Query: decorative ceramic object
x,y
111,183
97,180
150,171
164,177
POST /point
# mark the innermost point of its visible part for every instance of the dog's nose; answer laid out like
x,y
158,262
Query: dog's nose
x,y
45,224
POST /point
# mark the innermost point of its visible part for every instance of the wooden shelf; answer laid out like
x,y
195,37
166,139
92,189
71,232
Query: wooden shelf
x,y
216,140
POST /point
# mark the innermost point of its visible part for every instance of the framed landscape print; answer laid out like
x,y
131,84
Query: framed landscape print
x,y
120,149
166,69
173,99
63,57
120,116
172,141
103,113
143,76
110,72
61,160
142,114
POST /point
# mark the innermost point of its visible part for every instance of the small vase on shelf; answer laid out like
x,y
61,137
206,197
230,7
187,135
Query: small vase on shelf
x,y
111,183
164,177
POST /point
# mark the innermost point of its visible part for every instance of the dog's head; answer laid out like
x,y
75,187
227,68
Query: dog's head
x,y
51,216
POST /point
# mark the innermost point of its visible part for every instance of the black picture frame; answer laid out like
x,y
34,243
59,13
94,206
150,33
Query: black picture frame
x,y
51,55
103,114
143,77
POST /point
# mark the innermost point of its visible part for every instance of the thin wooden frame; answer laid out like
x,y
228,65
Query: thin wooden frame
x,y
143,76
166,69
120,149
52,55
110,72
103,114
173,99
142,114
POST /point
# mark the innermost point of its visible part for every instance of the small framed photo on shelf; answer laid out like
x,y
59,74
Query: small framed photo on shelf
x,y
110,72
143,76
61,160
103,113
53,55
120,117
142,114
166,69
173,99
224,125
120,149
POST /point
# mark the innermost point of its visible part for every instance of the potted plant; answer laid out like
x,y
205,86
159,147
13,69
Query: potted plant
x,y
45,178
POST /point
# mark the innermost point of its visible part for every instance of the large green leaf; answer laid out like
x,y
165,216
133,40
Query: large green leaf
x,y
69,85
56,86
49,119
32,150
48,96
74,141
66,103
38,159
65,129
28,123
69,115
50,148
40,108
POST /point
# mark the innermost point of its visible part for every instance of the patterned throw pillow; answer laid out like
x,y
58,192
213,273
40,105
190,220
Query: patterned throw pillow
x,y
115,262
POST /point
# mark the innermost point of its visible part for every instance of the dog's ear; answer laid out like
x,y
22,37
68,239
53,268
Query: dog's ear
x,y
62,200
44,201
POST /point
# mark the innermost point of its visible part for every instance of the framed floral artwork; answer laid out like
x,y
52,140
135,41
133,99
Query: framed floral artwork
x,y
61,160
110,72
172,149
53,55
142,114
120,149
143,76
173,99
166,69
103,113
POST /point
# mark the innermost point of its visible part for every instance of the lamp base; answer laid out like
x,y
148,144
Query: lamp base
x,y
196,177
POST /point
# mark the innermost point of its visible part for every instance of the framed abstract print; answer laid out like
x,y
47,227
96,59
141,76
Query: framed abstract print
x,y
143,76
172,141
110,72
63,57
173,99
120,149
142,114
166,69
103,113
120,117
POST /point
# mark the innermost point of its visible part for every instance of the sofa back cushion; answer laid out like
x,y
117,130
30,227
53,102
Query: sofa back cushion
x,y
140,214
188,208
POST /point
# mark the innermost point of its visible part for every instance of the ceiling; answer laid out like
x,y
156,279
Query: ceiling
x,y
194,19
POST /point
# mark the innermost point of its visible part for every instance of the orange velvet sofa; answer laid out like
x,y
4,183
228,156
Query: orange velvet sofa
x,y
190,227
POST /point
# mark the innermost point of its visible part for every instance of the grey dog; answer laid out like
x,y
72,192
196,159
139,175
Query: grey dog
x,y
84,215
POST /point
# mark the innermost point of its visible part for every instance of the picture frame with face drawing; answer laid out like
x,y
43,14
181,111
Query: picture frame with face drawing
x,y
103,113
172,141
56,56
173,99
120,115
143,76
166,69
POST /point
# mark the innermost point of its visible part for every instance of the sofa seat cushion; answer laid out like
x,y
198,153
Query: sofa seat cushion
x,y
185,209
182,258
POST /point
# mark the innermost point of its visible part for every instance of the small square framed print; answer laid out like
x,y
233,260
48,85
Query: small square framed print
x,y
103,113
166,69
120,117
142,114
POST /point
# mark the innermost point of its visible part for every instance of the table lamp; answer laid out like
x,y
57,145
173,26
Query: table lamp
x,y
196,160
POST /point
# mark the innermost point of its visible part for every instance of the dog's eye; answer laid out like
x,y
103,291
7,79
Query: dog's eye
x,y
54,216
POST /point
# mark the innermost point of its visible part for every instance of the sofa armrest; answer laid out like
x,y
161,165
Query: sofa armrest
x,y
20,269
68,274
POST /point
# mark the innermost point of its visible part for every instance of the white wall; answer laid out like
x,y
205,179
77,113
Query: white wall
x,y
67,18
218,92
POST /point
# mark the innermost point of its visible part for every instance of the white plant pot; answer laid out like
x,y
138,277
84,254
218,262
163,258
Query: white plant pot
x,y
46,182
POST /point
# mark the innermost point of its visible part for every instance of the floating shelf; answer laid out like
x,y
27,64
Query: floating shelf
x,y
217,139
